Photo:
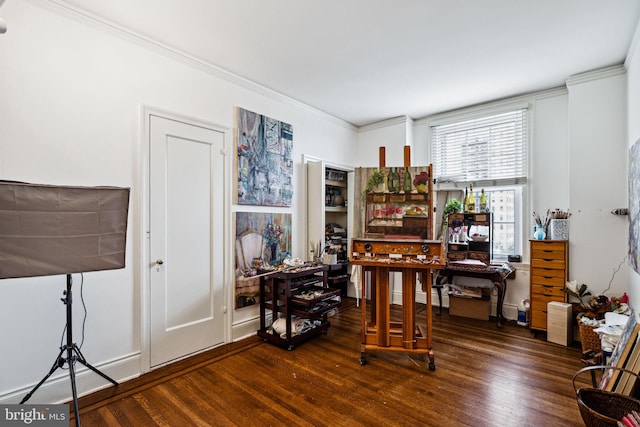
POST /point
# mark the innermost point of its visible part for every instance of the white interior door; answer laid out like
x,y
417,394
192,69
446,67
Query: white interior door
x,y
315,203
186,187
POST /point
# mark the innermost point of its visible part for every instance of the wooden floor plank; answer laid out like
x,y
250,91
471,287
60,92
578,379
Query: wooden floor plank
x,y
484,377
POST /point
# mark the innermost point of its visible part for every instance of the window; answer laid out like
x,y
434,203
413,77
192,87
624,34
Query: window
x,y
506,205
489,152
482,149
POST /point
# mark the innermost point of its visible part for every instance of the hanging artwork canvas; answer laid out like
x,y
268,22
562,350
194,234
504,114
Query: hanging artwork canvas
x,y
265,165
634,206
262,241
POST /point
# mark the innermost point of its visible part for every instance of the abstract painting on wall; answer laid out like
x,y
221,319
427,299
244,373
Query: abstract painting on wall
x,y
262,240
265,165
634,205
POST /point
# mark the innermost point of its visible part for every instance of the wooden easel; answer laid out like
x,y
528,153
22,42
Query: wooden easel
x,y
409,255
379,332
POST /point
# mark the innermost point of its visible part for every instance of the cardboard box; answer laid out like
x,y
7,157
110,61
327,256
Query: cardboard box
x,y
474,308
559,323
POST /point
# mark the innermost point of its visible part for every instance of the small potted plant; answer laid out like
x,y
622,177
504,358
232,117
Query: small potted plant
x,y
593,307
453,206
589,311
375,181
579,292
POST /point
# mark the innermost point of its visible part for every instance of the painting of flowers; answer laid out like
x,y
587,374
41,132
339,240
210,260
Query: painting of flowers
x,y
263,240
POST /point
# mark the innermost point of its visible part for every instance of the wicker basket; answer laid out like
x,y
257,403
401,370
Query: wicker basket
x,y
600,408
590,340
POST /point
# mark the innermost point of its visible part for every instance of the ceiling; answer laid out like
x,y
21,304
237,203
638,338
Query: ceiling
x,y
368,60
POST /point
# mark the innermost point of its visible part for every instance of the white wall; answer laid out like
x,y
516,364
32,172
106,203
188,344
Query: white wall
x,y
392,134
71,98
633,135
598,179
549,156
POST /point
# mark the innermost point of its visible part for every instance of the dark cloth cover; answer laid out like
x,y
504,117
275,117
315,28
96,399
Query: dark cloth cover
x,y
48,230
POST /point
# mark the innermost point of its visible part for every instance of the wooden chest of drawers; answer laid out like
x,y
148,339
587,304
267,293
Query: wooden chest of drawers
x,y
548,275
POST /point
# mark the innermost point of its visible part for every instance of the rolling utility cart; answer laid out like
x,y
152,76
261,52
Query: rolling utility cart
x,y
300,299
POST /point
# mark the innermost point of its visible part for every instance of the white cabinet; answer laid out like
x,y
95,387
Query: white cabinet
x,y
329,207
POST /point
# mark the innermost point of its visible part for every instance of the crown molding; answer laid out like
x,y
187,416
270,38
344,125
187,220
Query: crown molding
x,y
600,73
522,100
63,8
385,123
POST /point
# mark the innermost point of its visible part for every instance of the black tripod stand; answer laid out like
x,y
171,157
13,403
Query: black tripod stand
x,y
73,355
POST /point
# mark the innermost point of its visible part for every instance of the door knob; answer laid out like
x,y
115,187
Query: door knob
x,y
159,261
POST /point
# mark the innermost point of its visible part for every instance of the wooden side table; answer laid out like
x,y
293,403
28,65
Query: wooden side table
x,y
497,274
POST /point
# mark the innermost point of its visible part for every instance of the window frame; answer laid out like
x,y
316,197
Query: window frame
x,y
519,184
518,216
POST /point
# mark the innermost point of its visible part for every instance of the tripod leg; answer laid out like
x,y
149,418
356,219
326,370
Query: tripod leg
x,y
81,359
73,356
74,391
57,364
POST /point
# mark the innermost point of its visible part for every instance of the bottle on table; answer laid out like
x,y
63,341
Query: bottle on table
x,y
483,201
394,181
407,180
471,206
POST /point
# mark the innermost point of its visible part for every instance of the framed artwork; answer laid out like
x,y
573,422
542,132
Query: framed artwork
x,y
626,354
634,205
265,165
262,239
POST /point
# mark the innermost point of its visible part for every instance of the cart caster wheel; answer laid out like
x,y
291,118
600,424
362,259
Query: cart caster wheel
x,y
432,366
291,347
363,361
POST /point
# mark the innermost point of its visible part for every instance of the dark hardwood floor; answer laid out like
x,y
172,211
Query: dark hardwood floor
x,y
484,377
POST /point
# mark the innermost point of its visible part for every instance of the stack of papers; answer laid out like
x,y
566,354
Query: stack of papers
x,y
468,262
611,330
465,292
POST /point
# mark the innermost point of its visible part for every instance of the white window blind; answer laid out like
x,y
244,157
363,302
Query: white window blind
x,y
491,148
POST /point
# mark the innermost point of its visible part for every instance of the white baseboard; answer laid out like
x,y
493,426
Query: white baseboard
x,y
245,329
57,388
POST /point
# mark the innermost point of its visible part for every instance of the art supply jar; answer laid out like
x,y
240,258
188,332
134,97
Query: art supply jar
x,y
539,232
559,229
